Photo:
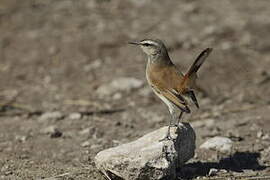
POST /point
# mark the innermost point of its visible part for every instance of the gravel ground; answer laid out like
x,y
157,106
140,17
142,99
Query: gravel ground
x,y
71,86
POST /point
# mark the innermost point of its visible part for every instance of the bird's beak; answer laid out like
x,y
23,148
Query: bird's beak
x,y
134,43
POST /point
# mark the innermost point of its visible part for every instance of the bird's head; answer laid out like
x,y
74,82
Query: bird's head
x,y
151,47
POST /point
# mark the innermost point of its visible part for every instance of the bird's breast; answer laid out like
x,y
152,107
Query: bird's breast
x,y
164,77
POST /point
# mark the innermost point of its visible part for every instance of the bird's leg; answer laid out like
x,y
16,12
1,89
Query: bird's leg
x,y
179,118
168,134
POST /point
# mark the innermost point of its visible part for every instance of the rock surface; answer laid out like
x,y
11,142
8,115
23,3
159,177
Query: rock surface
x,y
147,157
221,144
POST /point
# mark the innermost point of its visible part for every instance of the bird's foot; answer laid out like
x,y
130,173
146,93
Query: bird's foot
x,y
176,125
166,138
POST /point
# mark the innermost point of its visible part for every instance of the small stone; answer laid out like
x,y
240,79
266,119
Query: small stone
x,y
254,127
218,143
266,137
245,39
267,150
75,116
213,172
94,65
95,146
223,171
234,135
7,173
190,8
56,115
85,144
117,96
52,50
69,134
119,84
214,132
260,134
209,30
226,45
118,123
21,138
52,131
85,131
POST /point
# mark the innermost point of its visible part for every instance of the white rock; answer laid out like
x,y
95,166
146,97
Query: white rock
x,y
218,143
94,65
85,131
260,134
85,144
119,84
21,138
75,116
213,172
56,115
53,131
147,157
266,137
117,96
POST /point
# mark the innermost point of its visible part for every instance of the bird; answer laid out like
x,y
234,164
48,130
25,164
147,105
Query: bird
x,y
173,87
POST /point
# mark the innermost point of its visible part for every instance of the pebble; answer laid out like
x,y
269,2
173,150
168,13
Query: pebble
x,y
223,171
213,172
90,131
94,65
221,144
56,115
75,116
85,144
266,137
226,45
260,134
85,131
21,138
53,131
117,96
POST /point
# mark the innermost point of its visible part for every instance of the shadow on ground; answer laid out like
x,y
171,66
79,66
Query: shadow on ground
x,y
237,162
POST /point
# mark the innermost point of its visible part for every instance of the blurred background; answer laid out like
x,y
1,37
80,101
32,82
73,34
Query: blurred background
x,y
70,85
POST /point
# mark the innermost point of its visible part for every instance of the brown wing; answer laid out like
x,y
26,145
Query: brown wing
x,y
167,81
165,77
177,99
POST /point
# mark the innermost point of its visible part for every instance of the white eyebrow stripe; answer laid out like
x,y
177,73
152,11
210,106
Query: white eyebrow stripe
x,y
150,42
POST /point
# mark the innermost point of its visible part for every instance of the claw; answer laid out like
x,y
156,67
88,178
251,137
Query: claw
x,y
166,138
175,125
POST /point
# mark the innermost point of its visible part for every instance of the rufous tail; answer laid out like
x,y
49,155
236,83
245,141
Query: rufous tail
x,y
198,62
